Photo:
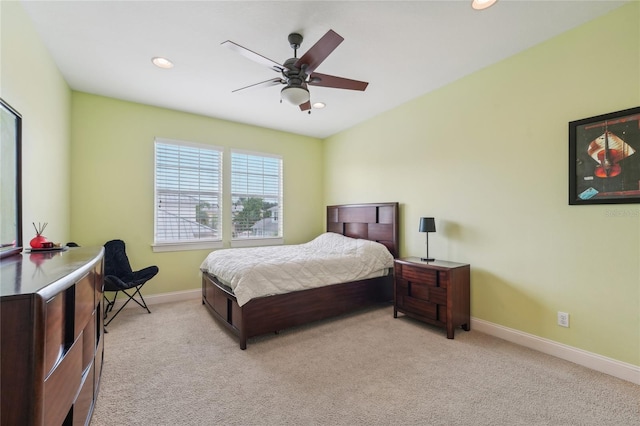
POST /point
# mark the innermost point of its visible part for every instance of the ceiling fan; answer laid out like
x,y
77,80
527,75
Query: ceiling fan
x,y
297,73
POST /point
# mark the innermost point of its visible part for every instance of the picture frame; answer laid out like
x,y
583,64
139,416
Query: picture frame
x,y
604,158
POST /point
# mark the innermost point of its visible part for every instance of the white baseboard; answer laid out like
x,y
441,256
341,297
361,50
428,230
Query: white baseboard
x,y
619,369
156,299
176,296
590,360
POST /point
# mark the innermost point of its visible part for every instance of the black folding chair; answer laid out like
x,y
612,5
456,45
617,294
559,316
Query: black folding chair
x,y
120,278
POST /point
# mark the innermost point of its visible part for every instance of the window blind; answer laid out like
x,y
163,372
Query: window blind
x,y
256,195
188,192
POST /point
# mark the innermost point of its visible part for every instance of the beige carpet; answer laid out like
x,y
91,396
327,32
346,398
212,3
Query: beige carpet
x,y
178,366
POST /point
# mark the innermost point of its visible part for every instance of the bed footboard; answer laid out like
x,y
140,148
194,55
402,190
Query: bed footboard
x,y
223,306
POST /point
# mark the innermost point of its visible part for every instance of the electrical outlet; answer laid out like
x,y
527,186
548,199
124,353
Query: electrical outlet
x,y
563,319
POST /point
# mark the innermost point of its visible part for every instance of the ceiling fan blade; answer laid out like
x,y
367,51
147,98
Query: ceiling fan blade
x,y
256,57
305,106
271,82
319,51
325,80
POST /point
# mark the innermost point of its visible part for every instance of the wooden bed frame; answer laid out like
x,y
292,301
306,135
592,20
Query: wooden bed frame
x,y
377,222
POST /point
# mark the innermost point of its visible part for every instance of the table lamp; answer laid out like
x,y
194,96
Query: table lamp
x,y
427,224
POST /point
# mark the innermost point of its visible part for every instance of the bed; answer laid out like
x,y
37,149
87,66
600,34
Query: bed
x,y
267,314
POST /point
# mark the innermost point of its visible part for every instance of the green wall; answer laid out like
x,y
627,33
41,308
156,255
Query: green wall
x,y
31,83
487,156
112,178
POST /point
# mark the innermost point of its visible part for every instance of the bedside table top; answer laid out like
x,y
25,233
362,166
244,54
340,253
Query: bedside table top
x,y
436,264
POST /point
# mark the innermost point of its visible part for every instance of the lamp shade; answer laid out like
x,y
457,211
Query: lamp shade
x,y
427,224
296,95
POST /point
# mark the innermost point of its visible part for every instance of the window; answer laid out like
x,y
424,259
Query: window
x,y
256,196
188,194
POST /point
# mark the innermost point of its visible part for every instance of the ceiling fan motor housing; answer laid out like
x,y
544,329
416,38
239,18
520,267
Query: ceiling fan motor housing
x,y
293,75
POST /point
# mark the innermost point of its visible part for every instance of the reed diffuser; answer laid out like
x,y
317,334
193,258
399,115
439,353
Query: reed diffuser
x,y
38,241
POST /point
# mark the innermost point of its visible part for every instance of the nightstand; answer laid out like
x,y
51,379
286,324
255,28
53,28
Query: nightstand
x,y
435,292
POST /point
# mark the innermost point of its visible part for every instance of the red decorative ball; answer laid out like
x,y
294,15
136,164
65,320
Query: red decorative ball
x,y
37,241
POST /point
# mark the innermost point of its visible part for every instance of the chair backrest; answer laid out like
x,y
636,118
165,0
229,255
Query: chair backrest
x,y
116,261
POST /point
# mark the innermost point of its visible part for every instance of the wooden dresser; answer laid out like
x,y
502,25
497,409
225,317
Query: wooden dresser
x,y
436,292
51,336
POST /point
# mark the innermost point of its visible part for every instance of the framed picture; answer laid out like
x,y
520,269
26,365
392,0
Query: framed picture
x,y
604,158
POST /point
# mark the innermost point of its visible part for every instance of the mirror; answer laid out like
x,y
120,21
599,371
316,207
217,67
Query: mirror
x,y
10,170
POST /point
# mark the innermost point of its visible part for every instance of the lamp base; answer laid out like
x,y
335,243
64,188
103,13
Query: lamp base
x,y
427,259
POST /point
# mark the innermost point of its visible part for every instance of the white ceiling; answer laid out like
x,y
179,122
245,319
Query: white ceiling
x,y
404,49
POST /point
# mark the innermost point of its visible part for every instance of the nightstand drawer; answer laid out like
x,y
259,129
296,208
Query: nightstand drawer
x,y
426,292
402,286
421,307
419,290
438,295
419,274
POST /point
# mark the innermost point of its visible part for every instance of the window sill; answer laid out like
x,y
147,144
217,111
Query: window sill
x,y
200,245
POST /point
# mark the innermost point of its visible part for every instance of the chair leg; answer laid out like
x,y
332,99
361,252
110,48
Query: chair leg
x,y
143,304
118,311
109,306
131,297
115,296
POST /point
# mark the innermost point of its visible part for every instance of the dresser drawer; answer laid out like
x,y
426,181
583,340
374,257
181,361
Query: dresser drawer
x,y
85,303
82,404
89,342
54,339
62,385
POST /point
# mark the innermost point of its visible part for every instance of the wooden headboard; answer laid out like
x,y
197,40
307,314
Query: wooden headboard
x,y
374,221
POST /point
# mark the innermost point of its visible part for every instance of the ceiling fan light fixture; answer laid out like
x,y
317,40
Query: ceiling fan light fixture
x,y
482,4
295,95
319,105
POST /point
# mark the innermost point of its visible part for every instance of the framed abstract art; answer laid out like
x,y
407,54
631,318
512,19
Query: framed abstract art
x,y
604,158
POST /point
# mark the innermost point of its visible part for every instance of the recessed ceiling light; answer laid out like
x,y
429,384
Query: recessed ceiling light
x,y
482,4
319,105
162,62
